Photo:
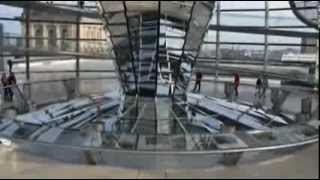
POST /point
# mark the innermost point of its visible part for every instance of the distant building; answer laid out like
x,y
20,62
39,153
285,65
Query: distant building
x,y
58,36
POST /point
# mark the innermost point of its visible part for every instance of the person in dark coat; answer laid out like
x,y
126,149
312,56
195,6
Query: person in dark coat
x,y
4,84
11,80
236,83
197,85
259,86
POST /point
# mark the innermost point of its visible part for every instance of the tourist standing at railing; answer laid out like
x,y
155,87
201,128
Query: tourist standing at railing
x,y
236,83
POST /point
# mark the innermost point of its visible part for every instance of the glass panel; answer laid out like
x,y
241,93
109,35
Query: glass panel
x,y
278,52
242,52
208,50
177,9
44,68
292,28
174,43
242,5
284,18
142,6
74,3
241,37
112,6
12,31
120,30
13,27
116,18
309,14
243,18
211,36
278,4
96,64
283,39
198,25
98,86
293,53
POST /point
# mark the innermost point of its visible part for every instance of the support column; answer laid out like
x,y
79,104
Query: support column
x,y
27,42
32,32
266,21
27,88
1,45
58,35
1,64
217,41
45,35
317,67
77,84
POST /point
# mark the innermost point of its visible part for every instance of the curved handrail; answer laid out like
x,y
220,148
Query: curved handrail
x,y
238,150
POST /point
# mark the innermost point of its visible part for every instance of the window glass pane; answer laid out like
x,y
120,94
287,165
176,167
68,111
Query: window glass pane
x,y
283,39
284,18
211,36
278,4
241,37
242,52
208,50
11,27
278,52
242,5
243,18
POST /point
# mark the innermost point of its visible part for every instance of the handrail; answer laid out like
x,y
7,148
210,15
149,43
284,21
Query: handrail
x,y
162,152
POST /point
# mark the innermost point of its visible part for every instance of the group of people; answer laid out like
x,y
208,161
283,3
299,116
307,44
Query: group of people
x,y
261,84
197,85
7,81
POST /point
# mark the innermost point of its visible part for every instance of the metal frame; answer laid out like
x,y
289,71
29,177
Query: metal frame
x,y
265,30
158,48
218,55
183,47
301,17
111,39
130,45
266,45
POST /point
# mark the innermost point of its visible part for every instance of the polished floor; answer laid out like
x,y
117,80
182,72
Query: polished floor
x,y
303,164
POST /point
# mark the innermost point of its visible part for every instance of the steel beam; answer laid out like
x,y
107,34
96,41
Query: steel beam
x,y
263,30
52,8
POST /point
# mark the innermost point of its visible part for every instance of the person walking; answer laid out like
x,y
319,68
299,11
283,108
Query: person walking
x,y
197,85
11,80
4,84
258,86
236,83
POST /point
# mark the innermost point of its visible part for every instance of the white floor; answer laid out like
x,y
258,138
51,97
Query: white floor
x,y
304,164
